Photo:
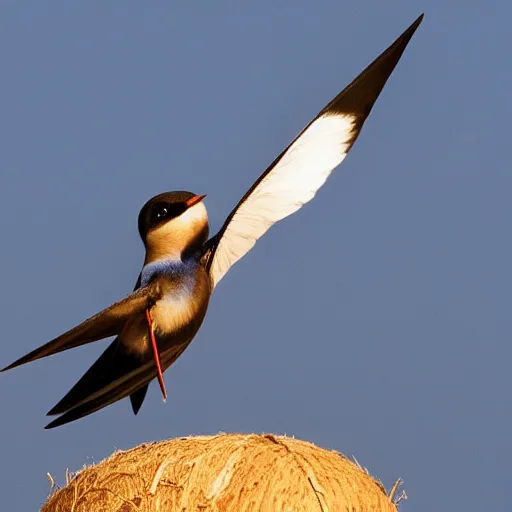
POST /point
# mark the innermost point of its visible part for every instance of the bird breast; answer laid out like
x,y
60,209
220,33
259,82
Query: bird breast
x,y
177,308
180,310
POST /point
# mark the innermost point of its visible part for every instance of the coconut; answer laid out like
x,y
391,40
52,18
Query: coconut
x,y
226,472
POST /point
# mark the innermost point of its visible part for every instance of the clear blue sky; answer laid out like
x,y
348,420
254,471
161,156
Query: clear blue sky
x,y
376,321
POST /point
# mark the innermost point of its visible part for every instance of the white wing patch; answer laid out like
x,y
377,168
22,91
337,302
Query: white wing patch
x,y
294,181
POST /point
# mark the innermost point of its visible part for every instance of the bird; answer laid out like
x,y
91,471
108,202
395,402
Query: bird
x,y
154,324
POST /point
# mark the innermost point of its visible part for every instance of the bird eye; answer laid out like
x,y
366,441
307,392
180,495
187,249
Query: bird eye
x,y
163,211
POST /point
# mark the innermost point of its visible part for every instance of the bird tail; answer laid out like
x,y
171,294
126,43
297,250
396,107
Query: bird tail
x,y
116,374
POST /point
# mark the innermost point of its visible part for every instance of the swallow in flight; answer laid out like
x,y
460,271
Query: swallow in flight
x,y
155,324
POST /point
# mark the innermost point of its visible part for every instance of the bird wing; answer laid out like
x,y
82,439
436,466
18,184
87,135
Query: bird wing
x,y
303,167
104,324
116,374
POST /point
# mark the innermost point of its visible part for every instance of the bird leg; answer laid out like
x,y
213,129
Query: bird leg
x,y
156,355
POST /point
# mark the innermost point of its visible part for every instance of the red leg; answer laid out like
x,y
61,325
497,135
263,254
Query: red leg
x,y
156,355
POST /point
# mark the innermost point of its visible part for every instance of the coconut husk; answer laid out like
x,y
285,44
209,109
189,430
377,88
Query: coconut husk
x,y
226,472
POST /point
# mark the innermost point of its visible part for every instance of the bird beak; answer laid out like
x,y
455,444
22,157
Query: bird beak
x,y
194,200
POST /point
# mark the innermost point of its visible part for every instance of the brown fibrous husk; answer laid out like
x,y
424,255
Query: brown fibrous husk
x,y
226,472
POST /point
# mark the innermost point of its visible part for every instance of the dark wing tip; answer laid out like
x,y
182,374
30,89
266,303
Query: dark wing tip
x,y
51,425
38,353
358,98
55,410
86,408
61,420
419,19
18,362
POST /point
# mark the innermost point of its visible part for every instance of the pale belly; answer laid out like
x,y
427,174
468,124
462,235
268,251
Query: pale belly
x,y
174,312
176,317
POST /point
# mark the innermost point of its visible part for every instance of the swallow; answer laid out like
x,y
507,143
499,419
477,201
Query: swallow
x,y
155,323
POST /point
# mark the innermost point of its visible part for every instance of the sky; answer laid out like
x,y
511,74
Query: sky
x,y
375,321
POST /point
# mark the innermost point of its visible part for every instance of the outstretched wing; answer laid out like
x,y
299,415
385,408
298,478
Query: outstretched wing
x,y
106,323
303,167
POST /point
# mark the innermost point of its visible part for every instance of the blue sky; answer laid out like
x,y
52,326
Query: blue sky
x,y
375,321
